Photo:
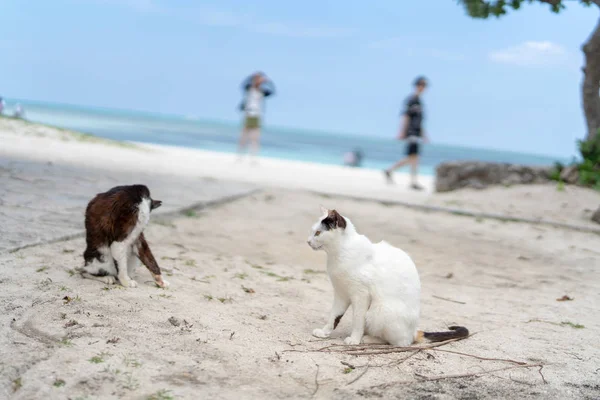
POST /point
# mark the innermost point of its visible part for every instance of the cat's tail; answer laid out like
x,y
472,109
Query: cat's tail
x,y
455,332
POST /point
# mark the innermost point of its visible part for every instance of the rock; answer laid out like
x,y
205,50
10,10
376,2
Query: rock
x,y
596,216
570,174
512,179
174,321
479,175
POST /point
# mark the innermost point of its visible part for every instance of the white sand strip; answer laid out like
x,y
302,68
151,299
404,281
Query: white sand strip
x,y
44,146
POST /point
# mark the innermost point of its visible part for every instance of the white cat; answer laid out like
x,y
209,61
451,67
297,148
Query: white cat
x,y
380,281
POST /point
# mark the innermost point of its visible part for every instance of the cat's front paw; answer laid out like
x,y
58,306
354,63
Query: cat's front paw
x,y
109,280
163,284
160,282
350,341
129,283
320,333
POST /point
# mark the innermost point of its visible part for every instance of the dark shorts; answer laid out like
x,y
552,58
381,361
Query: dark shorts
x,y
412,149
252,122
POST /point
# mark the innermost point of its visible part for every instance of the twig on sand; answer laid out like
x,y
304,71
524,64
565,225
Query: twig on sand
x,y
376,349
515,380
482,358
394,363
347,364
542,375
316,381
424,378
358,377
444,298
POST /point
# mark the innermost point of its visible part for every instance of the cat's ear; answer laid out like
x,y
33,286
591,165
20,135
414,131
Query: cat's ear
x,y
340,222
334,220
324,211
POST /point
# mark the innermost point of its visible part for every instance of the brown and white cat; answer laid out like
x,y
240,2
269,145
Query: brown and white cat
x,y
114,224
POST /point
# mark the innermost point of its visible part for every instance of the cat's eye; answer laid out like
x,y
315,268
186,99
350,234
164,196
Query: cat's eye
x,y
317,233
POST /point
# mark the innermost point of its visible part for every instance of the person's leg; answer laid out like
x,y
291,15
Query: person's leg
x,y
410,150
388,172
254,135
243,143
399,164
255,139
414,168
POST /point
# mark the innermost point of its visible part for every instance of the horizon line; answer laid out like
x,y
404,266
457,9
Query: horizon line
x,y
154,114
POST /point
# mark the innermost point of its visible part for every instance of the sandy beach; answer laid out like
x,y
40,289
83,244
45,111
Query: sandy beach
x,y
247,291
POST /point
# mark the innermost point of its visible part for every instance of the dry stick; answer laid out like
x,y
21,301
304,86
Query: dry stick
x,y
515,380
347,364
379,348
542,375
360,352
316,381
396,363
444,298
358,377
482,358
441,377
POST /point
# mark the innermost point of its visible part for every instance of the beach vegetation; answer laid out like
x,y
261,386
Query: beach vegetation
x,y
588,165
162,394
590,89
59,383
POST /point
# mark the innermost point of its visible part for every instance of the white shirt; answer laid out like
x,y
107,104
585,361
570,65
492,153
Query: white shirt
x,y
254,102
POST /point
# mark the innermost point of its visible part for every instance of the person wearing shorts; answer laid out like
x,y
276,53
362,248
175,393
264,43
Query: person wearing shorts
x,y
412,132
256,88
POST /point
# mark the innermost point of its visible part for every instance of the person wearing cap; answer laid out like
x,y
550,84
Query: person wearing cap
x,y
256,88
413,133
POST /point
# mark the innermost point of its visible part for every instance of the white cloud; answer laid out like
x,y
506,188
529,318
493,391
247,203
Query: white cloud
x,y
531,54
219,18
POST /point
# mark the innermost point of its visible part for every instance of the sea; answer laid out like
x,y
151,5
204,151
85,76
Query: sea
x,y
283,143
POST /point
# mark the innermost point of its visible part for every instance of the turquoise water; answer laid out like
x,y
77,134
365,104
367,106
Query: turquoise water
x,y
291,144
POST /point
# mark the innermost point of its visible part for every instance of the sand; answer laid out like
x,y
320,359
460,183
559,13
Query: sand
x,y
246,291
37,142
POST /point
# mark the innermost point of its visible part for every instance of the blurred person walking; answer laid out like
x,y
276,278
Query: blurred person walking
x,y
413,133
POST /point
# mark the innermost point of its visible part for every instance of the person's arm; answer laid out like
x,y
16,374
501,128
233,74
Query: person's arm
x,y
406,115
268,89
403,127
247,83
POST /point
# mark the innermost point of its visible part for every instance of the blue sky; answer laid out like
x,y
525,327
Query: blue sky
x,y
343,66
